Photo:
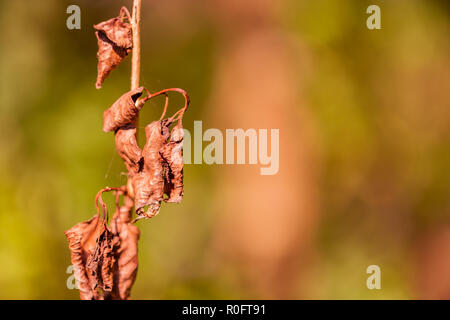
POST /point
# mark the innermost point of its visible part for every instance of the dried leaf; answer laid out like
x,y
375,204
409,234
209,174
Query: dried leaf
x,y
85,242
109,57
172,154
99,265
128,149
123,112
78,237
149,184
114,38
126,254
97,251
117,30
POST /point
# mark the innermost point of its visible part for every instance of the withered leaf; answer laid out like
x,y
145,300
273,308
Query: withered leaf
x,y
172,153
80,239
149,183
126,254
114,38
85,242
124,111
105,257
128,148
117,30
99,264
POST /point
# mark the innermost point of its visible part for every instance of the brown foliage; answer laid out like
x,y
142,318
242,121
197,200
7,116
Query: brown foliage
x,y
123,112
149,184
162,170
128,148
172,154
127,253
105,257
114,39
81,247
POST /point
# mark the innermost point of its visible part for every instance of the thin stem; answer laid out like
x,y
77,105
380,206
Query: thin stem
x,y
180,112
98,198
136,57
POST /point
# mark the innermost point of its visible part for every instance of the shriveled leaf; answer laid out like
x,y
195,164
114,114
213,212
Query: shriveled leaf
x,y
128,148
149,184
172,153
118,31
123,112
83,244
100,264
109,57
126,254
77,237
114,38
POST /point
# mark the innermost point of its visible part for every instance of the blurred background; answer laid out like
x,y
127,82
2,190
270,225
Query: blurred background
x,y
364,123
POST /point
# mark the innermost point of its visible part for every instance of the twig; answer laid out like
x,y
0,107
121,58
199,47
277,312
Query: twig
x,y
136,57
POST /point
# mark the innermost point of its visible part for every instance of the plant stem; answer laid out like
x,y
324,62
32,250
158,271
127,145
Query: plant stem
x,y
136,58
135,64
136,55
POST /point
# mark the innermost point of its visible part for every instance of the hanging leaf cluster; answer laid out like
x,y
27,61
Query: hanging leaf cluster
x,y
104,253
156,171
105,256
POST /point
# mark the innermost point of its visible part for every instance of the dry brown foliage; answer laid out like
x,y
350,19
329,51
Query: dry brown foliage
x,y
114,38
105,256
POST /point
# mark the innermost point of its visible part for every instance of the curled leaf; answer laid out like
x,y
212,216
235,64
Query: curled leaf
x,y
172,153
85,242
114,39
105,257
149,183
100,262
128,148
123,112
126,254
81,247
117,30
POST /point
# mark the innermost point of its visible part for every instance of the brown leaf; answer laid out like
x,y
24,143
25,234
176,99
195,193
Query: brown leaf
x,y
98,252
99,265
128,148
109,57
123,112
117,30
85,239
79,237
126,254
172,154
149,184
114,38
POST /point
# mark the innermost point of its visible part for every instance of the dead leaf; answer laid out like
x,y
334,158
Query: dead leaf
x,y
123,112
114,38
128,149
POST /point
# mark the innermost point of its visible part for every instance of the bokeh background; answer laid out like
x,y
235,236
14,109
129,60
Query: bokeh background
x,y
364,121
